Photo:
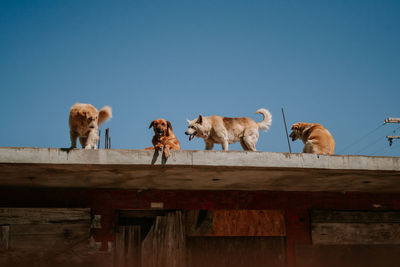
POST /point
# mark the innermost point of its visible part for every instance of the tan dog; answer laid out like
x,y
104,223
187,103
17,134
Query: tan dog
x,y
317,139
225,131
84,120
164,139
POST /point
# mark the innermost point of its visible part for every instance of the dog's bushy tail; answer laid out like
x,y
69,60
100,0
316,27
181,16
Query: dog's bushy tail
x,y
267,121
105,113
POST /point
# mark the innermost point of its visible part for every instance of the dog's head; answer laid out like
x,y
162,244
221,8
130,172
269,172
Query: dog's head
x,y
161,127
90,117
195,127
297,130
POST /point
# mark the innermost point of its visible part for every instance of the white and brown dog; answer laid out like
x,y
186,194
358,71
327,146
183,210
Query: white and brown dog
x,y
316,138
84,120
225,131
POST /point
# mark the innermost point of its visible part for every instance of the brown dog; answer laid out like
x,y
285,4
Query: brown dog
x,y
317,139
164,139
84,120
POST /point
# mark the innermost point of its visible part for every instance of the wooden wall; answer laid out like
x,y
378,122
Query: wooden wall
x,y
302,227
352,238
46,237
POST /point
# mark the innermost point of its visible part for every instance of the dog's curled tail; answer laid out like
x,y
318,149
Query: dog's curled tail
x,y
267,121
105,113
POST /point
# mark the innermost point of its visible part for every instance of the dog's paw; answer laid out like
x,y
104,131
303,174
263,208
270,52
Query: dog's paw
x,y
166,152
158,147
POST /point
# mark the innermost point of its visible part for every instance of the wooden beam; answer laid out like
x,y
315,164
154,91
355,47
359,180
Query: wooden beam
x,y
355,233
392,120
43,215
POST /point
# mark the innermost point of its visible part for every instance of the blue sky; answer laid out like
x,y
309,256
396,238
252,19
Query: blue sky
x,y
332,62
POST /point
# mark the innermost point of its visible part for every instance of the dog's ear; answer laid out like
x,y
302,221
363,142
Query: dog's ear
x,y
151,124
169,128
188,121
200,119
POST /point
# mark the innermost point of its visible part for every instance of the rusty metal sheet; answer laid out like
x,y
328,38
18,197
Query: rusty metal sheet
x,y
235,223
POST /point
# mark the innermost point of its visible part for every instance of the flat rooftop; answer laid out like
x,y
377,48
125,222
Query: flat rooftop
x,y
196,170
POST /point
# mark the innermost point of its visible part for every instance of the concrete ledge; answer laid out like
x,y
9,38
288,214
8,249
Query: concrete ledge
x,y
196,170
196,158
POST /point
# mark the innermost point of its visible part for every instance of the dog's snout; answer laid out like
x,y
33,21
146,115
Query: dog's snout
x,y
91,126
187,133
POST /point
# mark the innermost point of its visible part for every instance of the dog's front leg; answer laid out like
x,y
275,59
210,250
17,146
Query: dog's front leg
x,y
91,141
166,151
209,145
73,136
225,145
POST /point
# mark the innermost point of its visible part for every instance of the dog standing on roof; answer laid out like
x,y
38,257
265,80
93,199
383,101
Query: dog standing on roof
x,y
225,130
84,120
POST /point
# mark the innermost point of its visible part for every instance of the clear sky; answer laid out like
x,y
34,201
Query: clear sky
x,y
332,62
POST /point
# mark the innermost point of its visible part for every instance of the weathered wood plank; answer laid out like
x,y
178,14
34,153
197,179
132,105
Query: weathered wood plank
x,y
4,237
165,245
330,216
34,243
235,223
119,257
65,230
45,228
128,246
355,233
43,215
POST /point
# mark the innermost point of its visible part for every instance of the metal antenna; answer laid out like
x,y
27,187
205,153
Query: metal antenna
x,y
98,143
287,136
106,146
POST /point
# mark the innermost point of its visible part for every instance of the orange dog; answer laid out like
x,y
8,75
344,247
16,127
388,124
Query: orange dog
x,y
164,138
317,139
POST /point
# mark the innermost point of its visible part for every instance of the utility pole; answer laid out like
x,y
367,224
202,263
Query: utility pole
x,y
392,120
390,138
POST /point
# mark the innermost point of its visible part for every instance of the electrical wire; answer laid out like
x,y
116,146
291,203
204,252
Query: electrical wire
x,y
369,145
376,141
382,149
362,138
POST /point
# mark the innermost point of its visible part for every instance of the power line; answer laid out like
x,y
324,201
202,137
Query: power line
x,y
381,150
362,138
369,145
375,141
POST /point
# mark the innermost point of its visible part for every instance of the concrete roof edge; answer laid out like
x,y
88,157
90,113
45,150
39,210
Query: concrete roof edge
x,y
31,155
